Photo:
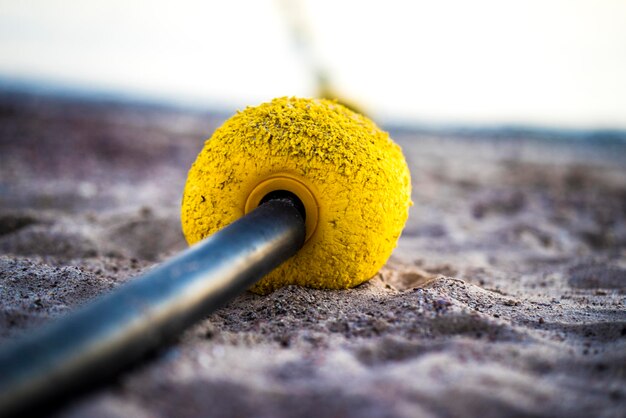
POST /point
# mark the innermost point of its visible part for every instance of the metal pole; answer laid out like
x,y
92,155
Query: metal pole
x,y
104,337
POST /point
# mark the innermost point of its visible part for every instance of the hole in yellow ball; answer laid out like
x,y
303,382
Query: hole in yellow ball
x,y
285,195
285,182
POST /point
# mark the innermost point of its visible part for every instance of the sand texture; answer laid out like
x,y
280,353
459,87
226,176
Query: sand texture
x,y
505,297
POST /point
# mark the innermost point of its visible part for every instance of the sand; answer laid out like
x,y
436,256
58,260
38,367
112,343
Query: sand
x,y
505,297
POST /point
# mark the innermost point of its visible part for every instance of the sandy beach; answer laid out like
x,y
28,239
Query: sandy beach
x,y
506,295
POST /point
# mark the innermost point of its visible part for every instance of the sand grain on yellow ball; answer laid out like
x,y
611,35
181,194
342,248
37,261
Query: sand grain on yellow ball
x,y
356,173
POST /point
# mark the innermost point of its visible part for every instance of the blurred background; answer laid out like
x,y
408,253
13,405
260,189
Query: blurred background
x,y
551,63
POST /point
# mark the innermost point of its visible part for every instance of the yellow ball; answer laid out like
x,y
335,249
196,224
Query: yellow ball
x,y
351,177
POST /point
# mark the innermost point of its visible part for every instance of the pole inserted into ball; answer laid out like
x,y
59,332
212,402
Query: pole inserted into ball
x,y
292,192
98,341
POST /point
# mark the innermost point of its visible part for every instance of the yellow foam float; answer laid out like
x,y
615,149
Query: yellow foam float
x,y
351,177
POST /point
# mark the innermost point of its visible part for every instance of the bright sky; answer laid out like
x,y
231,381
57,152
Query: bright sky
x,y
543,62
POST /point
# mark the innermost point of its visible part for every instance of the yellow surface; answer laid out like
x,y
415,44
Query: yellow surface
x,y
357,175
